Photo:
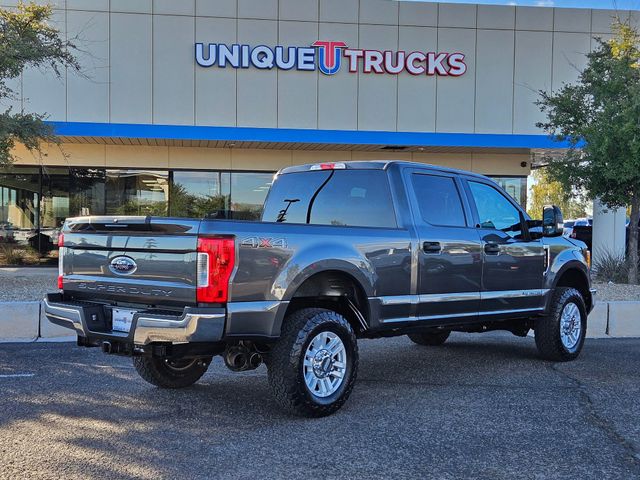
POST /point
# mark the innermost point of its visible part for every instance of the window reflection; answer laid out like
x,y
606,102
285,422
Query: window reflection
x,y
514,186
87,191
19,205
248,192
198,194
35,201
136,192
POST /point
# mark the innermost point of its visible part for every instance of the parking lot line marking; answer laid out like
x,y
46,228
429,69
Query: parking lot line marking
x,y
77,364
18,375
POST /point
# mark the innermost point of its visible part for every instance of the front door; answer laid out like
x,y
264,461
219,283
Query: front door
x,y
450,255
513,265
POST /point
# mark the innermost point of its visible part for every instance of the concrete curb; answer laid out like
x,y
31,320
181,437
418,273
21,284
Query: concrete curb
x,y
19,321
25,322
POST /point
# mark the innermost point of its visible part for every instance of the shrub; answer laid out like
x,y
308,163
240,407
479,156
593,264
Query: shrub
x,y
611,267
11,255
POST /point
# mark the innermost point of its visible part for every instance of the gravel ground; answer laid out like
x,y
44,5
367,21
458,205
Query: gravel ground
x,y
481,406
26,284
616,292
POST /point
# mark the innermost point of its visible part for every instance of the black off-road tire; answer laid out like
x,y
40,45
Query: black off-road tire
x,y
430,339
285,362
547,328
166,373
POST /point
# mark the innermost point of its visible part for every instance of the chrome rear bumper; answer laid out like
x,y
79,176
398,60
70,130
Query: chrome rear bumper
x,y
93,321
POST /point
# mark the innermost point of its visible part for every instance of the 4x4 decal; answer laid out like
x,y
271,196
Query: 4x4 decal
x,y
263,242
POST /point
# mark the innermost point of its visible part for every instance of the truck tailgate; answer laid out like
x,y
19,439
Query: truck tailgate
x,y
137,260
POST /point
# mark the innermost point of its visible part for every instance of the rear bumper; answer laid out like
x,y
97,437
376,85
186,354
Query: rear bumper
x,y
91,321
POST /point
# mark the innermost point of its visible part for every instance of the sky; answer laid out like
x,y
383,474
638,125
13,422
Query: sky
x,y
604,4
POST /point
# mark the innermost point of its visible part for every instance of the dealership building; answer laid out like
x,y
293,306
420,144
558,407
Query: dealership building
x,y
188,107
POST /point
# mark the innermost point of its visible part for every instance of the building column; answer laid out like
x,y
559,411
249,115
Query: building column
x,y
609,232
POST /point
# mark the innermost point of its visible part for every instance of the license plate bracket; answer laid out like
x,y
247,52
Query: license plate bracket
x,y
121,319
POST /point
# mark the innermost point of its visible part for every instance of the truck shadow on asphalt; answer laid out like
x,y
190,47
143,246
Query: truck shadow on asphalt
x,y
82,410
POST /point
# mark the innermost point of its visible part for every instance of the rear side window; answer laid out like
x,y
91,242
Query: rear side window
x,y
438,200
290,195
358,198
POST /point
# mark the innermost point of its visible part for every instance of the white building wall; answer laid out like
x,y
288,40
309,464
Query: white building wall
x,y
139,64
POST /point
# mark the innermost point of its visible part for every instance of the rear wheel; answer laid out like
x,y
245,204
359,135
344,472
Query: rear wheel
x,y
313,366
429,339
560,334
171,373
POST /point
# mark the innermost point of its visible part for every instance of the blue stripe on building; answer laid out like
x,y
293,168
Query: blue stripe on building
x,y
289,135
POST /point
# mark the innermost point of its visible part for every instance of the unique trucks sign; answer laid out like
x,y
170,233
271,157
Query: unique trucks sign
x,y
328,57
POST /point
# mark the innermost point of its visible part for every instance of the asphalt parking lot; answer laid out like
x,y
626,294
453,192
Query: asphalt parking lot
x,y
482,406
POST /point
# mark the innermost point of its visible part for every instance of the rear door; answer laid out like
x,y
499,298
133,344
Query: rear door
x,y
137,260
450,260
513,265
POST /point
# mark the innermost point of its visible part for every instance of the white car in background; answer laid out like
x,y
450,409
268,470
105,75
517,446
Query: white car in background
x,y
567,228
7,233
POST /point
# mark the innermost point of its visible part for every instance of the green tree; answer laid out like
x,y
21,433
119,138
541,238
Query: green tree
x,y
547,191
27,40
599,116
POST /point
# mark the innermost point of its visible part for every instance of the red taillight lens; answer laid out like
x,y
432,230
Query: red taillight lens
x,y
216,259
60,266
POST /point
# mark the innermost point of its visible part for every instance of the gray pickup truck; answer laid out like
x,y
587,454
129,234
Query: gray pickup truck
x,y
344,251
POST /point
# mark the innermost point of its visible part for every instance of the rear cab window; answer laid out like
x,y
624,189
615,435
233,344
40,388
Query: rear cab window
x,y
349,197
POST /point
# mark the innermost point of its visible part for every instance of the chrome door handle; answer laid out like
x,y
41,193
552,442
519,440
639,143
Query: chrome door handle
x,y
431,247
492,249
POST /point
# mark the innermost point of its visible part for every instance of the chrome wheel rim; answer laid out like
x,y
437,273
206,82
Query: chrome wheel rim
x,y
570,326
325,364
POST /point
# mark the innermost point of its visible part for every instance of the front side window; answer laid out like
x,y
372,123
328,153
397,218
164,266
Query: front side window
x,y
494,210
438,200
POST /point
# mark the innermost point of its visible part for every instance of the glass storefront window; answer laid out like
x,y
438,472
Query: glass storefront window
x,y
19,206
198,194
514,186
54,206
136,192
248,191
87,191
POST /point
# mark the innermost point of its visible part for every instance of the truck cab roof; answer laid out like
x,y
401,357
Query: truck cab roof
x,y
373,165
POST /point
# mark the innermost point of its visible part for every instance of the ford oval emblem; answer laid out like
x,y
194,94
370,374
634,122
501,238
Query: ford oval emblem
x,y
123,265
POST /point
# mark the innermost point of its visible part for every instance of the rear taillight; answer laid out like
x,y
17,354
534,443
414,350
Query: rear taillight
x,y
60,260
216,259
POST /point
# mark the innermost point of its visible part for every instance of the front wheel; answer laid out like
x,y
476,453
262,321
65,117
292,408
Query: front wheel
x,y
171,373
560,334
313,366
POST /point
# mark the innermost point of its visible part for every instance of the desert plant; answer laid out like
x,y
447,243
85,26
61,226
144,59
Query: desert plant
x,y
11,255
611,267
598,116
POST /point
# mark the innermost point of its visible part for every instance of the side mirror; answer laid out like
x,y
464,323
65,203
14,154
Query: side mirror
x,y
552,221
